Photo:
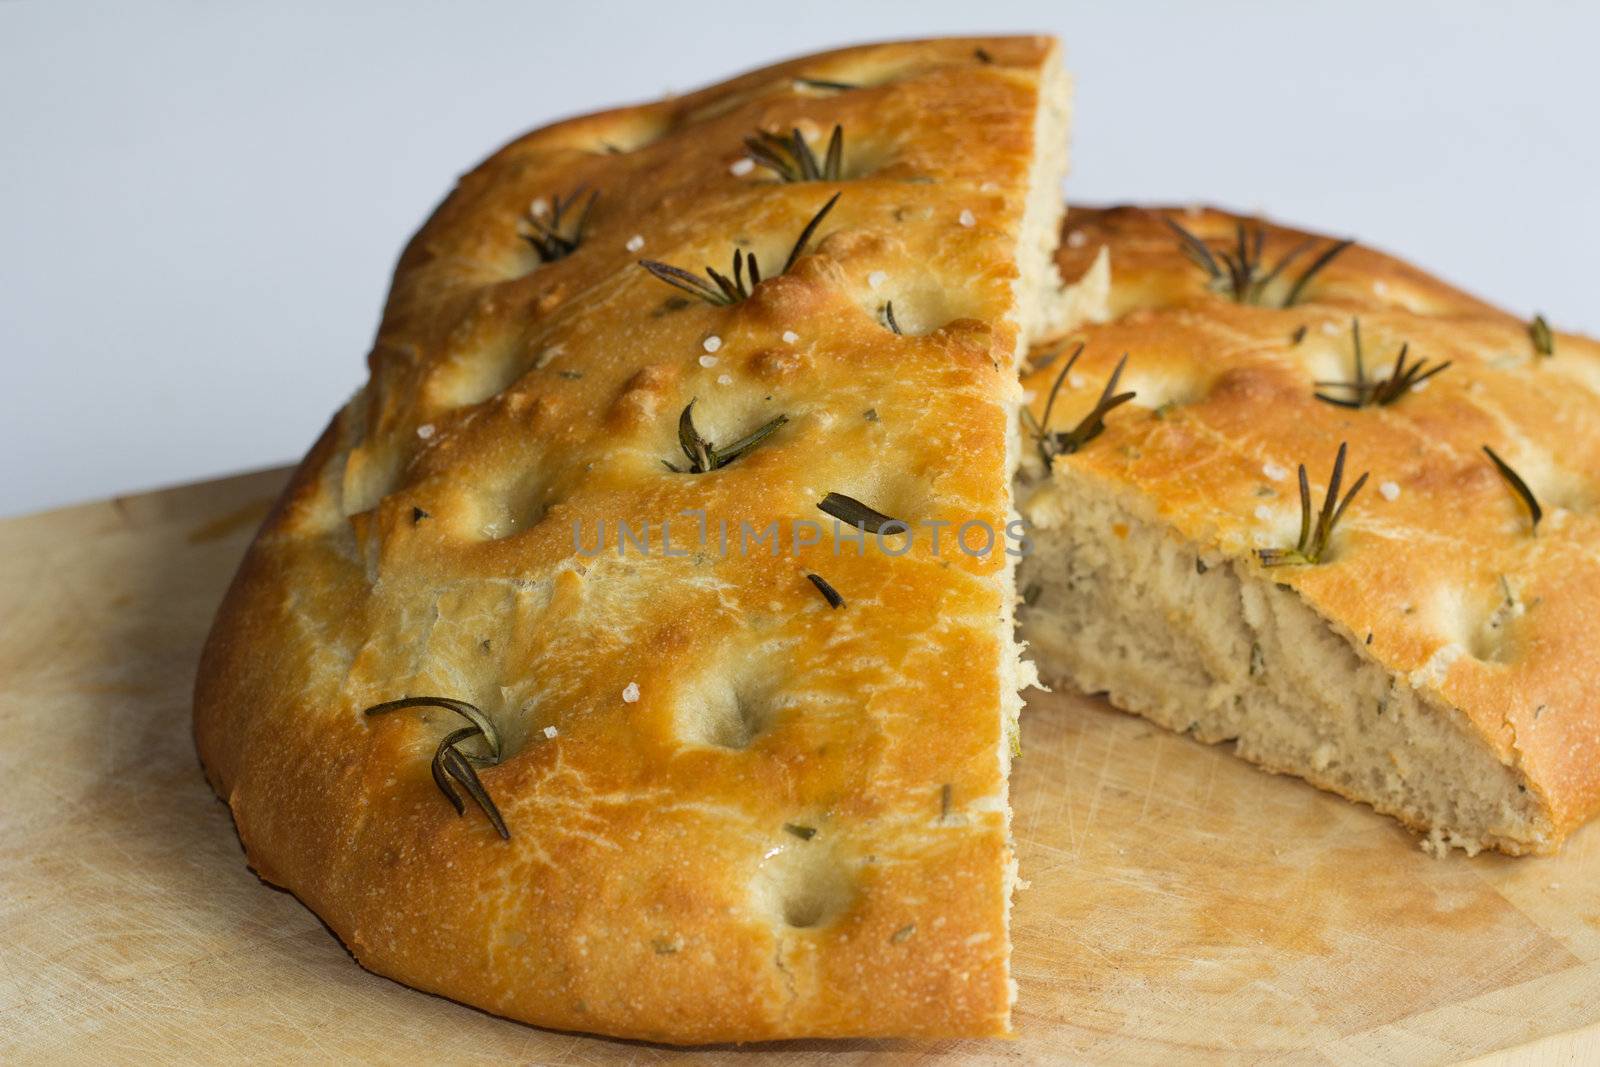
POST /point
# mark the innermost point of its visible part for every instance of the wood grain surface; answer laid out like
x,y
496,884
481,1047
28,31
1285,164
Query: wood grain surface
x,y
1181,906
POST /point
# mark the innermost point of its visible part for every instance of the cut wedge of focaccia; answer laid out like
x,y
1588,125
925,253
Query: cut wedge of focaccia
x,y
749,788
1428,650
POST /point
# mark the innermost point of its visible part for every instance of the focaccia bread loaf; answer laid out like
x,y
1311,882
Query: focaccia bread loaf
x,y
1437,659
740,802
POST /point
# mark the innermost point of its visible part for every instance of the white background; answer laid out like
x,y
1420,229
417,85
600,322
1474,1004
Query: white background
x,y
200,204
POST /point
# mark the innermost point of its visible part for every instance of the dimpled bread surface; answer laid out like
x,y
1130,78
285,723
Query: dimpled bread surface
x,y
735,812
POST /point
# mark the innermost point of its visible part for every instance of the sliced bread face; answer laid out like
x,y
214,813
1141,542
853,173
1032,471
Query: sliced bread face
x,y
1429,650
735,778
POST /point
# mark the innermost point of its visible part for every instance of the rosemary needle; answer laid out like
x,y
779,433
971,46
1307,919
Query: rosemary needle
x,y
829,593
1518,486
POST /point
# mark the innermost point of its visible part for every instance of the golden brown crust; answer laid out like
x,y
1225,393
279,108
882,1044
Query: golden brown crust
x,y
649,888
1435,559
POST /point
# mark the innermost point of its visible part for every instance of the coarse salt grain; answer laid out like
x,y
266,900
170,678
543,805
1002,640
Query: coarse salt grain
x,y
1389,490
708,361
1263,512
1273,471
1077,239
741,167
1075,380
712,343
425,431
1380,289
630,695
1331,329
724,379
635,243
877,278
551,732
790,337
539,206
967,218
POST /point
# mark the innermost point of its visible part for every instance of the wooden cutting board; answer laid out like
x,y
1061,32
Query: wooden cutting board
x,y
1182,906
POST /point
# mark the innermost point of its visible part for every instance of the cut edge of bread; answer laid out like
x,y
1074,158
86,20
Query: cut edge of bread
x,y
1210,646
1040,309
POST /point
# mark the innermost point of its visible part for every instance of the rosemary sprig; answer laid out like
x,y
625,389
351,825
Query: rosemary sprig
x,y
1520,487
791,158
1065,442
853,512
829,593
1383,391
1314,539
1241,273
724,289
551,238
705,456
1544,340
449,762
728,288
